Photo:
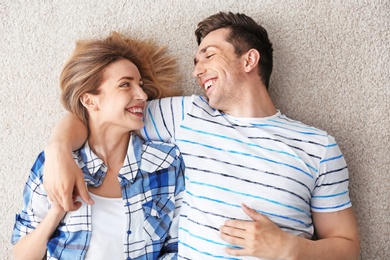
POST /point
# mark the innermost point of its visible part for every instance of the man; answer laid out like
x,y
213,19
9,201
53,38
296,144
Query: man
x,y
238,149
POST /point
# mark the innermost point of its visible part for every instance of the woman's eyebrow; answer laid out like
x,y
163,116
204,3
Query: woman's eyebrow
x,y
128,78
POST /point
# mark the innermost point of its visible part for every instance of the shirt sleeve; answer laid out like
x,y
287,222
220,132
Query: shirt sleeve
x,y
331,190
163,118
35,202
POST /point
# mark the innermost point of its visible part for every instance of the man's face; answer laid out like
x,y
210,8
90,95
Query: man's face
x,y
220,72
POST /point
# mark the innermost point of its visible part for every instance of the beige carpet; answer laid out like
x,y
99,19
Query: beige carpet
x,y
331,71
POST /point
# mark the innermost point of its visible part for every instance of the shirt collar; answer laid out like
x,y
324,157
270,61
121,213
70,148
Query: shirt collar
x,y
95,168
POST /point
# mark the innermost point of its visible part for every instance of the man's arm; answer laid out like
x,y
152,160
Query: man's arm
x,y
163,118
337,232
63,179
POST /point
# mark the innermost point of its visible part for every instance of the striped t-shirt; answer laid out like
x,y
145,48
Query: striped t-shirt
x,y
282,168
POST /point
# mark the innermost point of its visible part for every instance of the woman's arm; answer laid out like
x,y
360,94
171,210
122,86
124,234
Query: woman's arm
x,y
38,218
63,179
33,245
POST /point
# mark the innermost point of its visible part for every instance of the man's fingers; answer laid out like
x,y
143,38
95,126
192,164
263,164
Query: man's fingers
x,y
232,231
236,251
232,236
55,198
238,224
82,191
253,214
245,224
67,203
237,242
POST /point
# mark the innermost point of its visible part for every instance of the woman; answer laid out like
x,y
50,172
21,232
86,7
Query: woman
x,y
137,187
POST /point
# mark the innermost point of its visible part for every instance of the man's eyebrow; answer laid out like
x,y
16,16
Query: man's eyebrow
x,y
201,51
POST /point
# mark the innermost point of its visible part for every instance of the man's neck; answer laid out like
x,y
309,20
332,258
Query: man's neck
x,y
255,104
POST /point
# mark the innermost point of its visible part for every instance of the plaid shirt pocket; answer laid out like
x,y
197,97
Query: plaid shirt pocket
x,y
158,217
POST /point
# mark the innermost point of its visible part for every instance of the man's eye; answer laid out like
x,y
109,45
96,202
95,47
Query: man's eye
x,y
209,56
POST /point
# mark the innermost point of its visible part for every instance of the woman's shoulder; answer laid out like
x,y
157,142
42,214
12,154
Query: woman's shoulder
x,y
161,147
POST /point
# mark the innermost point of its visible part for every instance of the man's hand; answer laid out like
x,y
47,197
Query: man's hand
x,y
260,238
337,232
63,179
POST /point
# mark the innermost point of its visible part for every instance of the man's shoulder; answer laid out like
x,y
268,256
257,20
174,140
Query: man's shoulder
x,y
302,128
179,105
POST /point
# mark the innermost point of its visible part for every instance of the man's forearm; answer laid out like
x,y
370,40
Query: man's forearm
x,y
337,232
329,248
63,178
70,132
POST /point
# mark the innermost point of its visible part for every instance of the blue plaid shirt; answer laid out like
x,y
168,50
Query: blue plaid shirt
x,y
152,183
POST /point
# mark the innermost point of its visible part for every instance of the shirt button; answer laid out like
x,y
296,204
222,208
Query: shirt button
x,y
128,232
127,203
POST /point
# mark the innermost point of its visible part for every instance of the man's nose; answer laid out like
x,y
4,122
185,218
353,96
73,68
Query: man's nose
x,y
199,69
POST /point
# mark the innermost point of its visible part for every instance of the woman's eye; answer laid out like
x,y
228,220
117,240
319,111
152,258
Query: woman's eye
x,y
124,85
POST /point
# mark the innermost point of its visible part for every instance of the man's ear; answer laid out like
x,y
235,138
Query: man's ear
x,y
252,58
88,101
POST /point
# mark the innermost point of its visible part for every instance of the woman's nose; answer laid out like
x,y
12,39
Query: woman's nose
x,y
141,94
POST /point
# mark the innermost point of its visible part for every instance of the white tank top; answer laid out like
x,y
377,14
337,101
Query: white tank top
x,y
108,228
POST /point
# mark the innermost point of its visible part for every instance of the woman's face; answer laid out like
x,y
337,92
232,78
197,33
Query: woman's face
x,y
121,100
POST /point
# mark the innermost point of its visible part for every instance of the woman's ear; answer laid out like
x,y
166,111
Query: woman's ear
x,y
252,58
88,101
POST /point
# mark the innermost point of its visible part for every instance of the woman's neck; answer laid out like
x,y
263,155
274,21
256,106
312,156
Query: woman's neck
x,y
110,146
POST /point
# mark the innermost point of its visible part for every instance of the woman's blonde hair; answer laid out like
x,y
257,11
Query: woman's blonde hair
x,y
84,70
